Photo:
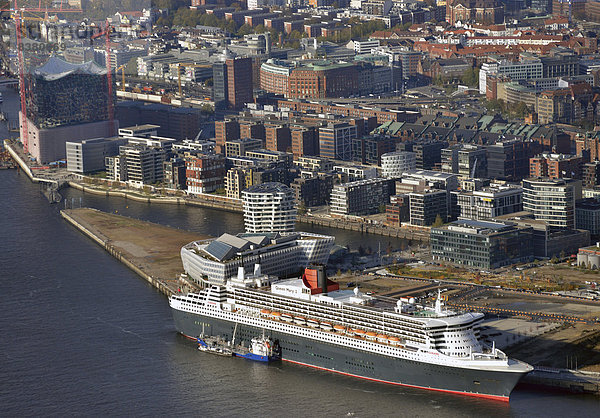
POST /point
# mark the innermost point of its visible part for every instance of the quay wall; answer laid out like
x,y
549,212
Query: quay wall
x,y
421,235
573,381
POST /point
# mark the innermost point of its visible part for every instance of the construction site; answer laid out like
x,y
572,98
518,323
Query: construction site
x,y
62,94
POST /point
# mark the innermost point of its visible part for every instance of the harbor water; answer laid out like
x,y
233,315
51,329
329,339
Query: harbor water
x,y
83,335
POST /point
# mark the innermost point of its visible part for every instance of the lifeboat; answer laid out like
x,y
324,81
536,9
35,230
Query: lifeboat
x,y
276,315
313,323
382,338
326,326
394,341
286,317
299,320
265,312
338,328
371,336
359,333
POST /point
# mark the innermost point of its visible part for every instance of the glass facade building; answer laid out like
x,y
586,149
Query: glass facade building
x,y
483,245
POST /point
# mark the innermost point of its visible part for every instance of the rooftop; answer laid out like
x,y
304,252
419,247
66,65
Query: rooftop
x,y
55,69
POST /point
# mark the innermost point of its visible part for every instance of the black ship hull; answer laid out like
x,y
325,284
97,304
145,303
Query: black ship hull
x,y
357,363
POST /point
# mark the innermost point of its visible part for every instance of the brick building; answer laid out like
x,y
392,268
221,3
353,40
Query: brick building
x,y
323,79
205,173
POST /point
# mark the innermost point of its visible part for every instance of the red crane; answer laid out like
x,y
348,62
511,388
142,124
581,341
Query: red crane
x,y
111,112
17,14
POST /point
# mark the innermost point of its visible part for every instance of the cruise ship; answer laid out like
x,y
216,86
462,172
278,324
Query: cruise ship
x,y
317,324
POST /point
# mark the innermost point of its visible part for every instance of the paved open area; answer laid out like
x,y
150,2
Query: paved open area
x,y
152,247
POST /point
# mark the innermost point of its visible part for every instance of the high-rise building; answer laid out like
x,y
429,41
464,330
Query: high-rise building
x,y
509,160
269,207
220,94
335,141
552,200
239,82
232,81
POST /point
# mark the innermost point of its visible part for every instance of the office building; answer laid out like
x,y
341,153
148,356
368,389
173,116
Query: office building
x,y
232,82
215,261
278,137
552,200
239,82
489,202
587,216
305,141
427,205
509,160
89,155
549,241
482,245
225,130
335,141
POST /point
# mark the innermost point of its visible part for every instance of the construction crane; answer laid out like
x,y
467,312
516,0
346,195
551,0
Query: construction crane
x,y
122,68
111,111
17,14
183,64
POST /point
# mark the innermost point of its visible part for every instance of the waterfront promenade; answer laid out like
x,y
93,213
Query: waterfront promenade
x,y
110,188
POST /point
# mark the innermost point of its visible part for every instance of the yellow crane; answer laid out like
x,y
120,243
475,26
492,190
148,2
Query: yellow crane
x,y
122,68
183,64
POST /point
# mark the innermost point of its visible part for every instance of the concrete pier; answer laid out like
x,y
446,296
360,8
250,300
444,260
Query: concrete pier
x,y
150,250
573,381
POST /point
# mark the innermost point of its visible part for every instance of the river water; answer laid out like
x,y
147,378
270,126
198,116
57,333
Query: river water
x,y
83,335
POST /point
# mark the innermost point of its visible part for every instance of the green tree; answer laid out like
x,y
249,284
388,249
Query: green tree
x,y
301,208
438,221
521,110
131,68
470,77
245,30
207,108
